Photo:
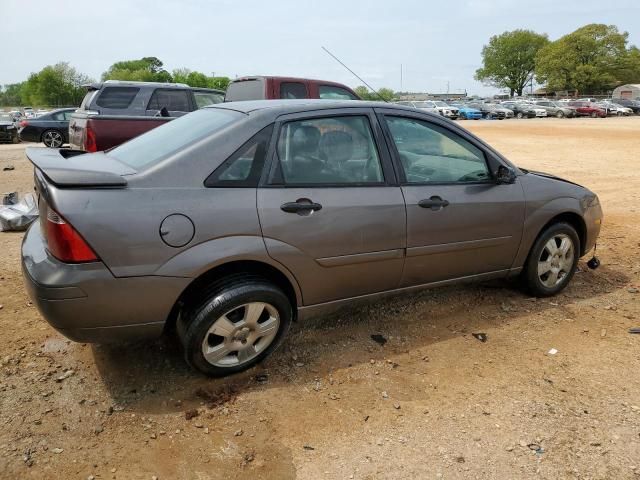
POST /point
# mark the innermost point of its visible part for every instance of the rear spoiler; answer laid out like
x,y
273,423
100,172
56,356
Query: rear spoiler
x,y
75,168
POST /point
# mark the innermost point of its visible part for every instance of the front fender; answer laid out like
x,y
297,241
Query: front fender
x,y
538,214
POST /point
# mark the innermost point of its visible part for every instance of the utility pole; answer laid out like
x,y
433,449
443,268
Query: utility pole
x,y
447,87
401,78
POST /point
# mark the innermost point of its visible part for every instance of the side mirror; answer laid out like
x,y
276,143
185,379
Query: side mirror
x,y
505,175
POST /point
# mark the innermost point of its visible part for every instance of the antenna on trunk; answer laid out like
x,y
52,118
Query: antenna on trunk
x,y
356,75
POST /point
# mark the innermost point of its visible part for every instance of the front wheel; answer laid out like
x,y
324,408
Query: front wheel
x,y
234,326
560,114
594,114
552,260
519,115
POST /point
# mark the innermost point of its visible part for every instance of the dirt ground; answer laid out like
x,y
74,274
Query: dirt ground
x,y
433,402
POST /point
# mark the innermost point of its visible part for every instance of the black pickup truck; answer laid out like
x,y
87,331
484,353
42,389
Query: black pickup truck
x,y
113,111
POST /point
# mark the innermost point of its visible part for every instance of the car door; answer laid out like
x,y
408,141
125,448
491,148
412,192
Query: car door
x,y
330,208
460,222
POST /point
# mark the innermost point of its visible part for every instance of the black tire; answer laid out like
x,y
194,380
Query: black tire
x,y
594,114
519,115
463,116
16,139
224,297
48,138
560,114
531,279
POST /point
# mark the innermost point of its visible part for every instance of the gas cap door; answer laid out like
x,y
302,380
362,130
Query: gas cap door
x,y
177,230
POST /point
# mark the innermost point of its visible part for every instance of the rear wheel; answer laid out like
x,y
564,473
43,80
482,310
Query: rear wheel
x,y
560,114
552,260
15,139
594,114
519,115
234,325
52,138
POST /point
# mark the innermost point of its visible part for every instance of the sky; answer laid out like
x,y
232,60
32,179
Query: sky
x,y
438,43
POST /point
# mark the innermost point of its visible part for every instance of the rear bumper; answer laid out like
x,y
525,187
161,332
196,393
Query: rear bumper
x,y
8,135
86,303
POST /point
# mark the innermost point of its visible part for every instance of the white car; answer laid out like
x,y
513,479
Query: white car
x,y
540,112
422,105
615,109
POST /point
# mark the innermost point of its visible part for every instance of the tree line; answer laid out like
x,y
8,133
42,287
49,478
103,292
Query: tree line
x,y
594,59
62,85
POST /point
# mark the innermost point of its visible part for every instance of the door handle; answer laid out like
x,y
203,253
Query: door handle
x,y
301,206
434,203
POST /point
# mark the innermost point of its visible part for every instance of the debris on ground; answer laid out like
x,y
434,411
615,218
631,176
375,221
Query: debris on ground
x,y
8,168
553,351
17,216
634,330
379,339
480,336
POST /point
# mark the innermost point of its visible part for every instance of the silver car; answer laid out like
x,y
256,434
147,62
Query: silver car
x,y
233,221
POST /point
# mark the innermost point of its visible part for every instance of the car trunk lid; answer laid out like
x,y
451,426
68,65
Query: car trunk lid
x,y
72,168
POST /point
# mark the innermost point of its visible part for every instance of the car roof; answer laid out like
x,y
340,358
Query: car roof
x,y
131,83
287,79
281,107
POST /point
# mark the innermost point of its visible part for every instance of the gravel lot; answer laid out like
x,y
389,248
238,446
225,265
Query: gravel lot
x,y
433,402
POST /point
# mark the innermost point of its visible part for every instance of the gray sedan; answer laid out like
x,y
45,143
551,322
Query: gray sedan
x,y
556,109
231,222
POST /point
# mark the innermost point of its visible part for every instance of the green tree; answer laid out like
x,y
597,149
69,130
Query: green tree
x,y
55,85
147,69
508,61
593,59
385,94
10,95
221,83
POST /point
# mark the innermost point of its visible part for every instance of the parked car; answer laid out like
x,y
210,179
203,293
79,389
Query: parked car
x,y
492,111
520,109
286,88
467,113
419,104
588,109
114,111
443,108
52,128
252,214
556,109
8,128
634,105
615,109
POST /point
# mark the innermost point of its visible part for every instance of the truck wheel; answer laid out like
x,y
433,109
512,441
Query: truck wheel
x,y
52,138
234,325
552,260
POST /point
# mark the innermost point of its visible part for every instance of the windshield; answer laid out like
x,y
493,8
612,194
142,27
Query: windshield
x,y
167,139
441,104
423,104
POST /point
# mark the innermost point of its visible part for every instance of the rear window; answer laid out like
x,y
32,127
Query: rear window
x,y
245,90
293,90
204,99
117,97
165,140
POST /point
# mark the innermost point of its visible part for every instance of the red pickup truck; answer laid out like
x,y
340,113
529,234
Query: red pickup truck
x,y
271,88
113,112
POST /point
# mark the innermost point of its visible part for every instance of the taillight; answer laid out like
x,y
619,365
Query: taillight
x,y
90,144
64,242
23,123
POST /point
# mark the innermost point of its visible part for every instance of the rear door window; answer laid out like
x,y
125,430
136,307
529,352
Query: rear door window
x,y
293,90
171,99
117,97
204,99
329,92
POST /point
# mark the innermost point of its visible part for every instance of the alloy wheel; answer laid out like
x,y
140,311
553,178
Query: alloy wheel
x,y
241,334
556,260
52,139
